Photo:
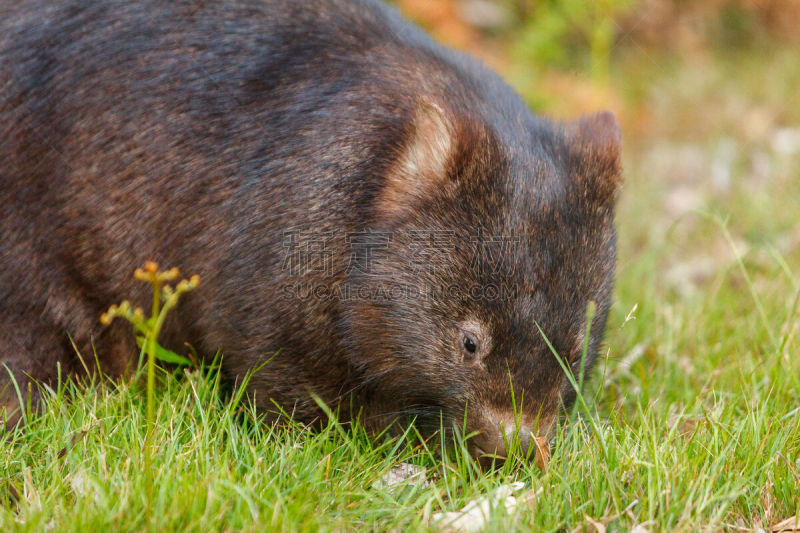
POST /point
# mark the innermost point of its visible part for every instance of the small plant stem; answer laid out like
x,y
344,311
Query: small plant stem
x,y
151,384
156,298
150,328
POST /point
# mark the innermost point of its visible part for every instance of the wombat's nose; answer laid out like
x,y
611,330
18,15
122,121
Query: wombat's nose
x,y
491,444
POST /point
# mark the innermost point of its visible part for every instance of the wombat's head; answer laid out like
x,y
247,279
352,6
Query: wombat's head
x,y
485,242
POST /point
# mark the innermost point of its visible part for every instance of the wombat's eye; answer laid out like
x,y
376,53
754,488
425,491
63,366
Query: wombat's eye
x,y
472,342
469,344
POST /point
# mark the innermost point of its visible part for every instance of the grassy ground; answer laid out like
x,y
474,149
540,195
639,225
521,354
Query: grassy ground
x,y
695,406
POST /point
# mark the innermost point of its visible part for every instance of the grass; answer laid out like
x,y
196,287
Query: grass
x,y
694,409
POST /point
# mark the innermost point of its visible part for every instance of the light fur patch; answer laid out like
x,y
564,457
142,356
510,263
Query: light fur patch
x,y
423,164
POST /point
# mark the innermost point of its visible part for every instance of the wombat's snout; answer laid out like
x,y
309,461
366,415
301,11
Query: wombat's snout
x,y
492,442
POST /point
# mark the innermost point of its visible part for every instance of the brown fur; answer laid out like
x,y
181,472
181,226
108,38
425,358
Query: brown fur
x,y
271,147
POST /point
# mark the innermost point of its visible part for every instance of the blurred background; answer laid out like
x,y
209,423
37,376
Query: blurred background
x,y
708,96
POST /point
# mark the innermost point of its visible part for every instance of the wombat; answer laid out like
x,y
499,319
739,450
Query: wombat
x,y
377,221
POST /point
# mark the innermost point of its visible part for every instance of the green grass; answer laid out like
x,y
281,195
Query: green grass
x,y
695,404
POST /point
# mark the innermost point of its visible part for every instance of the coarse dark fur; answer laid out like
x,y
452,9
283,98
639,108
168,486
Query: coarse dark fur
x,y
261,144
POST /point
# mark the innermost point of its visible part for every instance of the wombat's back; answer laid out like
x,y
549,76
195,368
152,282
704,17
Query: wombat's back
x,y
187,117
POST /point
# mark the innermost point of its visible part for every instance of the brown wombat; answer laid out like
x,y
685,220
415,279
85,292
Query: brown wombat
x,y
381,218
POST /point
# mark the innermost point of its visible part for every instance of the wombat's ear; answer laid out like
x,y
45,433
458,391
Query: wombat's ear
x,y
595,143
424,160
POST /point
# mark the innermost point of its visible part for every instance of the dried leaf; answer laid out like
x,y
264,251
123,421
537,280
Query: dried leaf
x,y
542,452
790,524
598,527
400,473
474,515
